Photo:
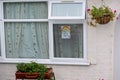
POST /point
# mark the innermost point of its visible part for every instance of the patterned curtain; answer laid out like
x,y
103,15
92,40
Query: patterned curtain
x,y
26,10
26,39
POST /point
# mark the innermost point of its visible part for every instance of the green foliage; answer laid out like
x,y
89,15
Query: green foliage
x,y
22,67
101,11
32,67
101,15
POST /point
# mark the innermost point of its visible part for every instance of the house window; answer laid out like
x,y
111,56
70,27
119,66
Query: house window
x,y
25,10
66,9
68,40
69,31
43,31
26,39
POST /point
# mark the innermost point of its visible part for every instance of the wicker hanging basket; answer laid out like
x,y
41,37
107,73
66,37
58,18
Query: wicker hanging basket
x,y
104,19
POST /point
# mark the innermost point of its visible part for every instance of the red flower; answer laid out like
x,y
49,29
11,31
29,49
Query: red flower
x,y
117,18
88,10
115,11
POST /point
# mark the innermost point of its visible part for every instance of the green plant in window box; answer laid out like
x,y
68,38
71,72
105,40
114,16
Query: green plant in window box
x,y
101,15
34,70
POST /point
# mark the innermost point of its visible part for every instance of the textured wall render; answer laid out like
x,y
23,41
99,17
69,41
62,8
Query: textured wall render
x,y
100,54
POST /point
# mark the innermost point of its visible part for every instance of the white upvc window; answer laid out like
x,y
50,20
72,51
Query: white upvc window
x,y
68,41
67,9
42,31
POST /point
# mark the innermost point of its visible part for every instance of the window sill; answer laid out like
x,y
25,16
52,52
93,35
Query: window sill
x,y
45,61
69,63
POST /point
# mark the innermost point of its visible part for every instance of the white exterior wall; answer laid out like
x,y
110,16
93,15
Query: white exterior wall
x,y
117,50
100,54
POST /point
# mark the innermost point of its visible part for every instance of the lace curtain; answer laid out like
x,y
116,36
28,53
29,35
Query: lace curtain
x,y
26,10
26,39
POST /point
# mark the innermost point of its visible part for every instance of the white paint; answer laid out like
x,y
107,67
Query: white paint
x,y
51,60
83,60
117,51
100,52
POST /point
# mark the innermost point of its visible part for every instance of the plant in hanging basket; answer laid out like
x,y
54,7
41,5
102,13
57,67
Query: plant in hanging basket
x,y
34,70
101,15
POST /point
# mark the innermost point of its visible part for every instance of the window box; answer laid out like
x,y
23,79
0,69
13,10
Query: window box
x,y
33,70
34,75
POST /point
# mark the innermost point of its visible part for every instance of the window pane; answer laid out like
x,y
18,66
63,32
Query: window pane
x,y
26,10
67,9
68,40
26,40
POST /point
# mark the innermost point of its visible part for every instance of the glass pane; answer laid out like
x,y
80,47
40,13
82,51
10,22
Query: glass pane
x,y
26,40
26,10
68,40
67,9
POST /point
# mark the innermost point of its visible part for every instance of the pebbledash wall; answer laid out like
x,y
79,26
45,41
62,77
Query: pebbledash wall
x,y
100,54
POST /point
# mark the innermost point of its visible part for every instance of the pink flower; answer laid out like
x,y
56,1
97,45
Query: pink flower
x,y
117,18
115,11
88,10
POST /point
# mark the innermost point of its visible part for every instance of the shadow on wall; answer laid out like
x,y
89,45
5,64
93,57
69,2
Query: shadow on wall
x,y
117,49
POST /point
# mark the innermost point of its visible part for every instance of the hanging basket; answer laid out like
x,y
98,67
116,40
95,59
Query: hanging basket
x,y
104,19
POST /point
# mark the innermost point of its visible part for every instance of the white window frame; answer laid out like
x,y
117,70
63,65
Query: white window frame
x,y
1,30
50,21
2,21
83,60
67,17
68,20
